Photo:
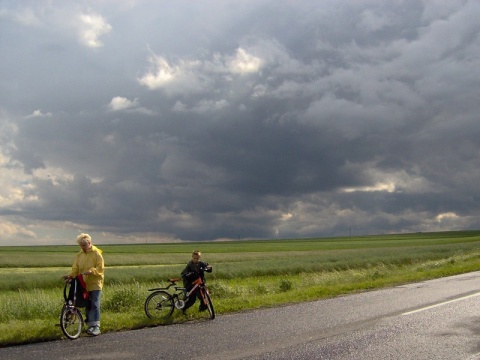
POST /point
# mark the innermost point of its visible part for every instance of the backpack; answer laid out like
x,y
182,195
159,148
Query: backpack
x,y
82,297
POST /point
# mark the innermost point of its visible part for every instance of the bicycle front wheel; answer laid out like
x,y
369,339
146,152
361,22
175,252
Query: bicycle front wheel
x,y
208,303
159,305
71,322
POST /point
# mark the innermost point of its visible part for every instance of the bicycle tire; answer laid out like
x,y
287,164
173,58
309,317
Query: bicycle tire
x,y
71,322
159,305
209,303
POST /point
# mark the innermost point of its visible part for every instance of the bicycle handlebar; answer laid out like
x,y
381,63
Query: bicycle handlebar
x,y
200,271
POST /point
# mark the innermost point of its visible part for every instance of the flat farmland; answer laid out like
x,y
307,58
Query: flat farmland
x,y
247,275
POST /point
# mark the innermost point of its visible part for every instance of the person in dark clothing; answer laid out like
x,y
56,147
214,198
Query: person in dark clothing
x,y
195,268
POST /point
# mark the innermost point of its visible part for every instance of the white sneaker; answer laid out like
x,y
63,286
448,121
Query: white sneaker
x,y
95,331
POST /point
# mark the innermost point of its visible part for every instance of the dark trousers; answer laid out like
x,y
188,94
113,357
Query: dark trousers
x,y
192,298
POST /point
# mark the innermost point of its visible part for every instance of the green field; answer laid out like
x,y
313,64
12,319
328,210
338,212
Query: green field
x,y
247,275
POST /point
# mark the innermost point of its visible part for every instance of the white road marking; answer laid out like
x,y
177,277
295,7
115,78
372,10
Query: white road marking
x,y
440,304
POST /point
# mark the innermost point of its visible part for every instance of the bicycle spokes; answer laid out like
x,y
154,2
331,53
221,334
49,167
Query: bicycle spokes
x,y
159,304
71,322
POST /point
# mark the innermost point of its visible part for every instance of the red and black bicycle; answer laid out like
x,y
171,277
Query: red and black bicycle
x,y
161,303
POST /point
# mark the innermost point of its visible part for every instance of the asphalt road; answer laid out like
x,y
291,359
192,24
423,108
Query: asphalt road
x,y
438,319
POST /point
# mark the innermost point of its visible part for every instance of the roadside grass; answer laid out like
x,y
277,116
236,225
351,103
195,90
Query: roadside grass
x,y
31,296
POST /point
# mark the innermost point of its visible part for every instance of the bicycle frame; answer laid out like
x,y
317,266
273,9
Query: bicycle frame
x,y
180,289
198,283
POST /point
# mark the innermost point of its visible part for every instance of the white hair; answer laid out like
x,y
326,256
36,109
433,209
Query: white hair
x,y
84,239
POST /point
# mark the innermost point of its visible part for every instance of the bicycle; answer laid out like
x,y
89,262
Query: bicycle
x,y
71,319
161,303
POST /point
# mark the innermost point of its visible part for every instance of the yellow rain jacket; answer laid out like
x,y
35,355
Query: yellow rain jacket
x,y
92,260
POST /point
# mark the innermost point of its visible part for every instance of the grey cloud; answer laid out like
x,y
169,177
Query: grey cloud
x,y
356,117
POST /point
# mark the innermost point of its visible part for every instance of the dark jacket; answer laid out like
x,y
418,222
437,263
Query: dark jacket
x,y
193,271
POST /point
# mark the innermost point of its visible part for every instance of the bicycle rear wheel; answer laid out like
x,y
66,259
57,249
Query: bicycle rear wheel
x,y
71,322
159,305
208,303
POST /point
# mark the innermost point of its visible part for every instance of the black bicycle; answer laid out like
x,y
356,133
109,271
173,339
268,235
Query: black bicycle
x,y
161,303
71,318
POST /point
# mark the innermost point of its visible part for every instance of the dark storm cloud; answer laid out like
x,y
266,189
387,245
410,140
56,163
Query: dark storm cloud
x,y
253,119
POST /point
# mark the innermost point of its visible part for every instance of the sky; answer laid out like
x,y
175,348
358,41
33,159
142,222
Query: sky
x,y
159,121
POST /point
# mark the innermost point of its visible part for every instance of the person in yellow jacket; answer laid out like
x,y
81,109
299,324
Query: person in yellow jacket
x,y
89,262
